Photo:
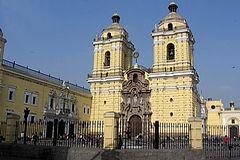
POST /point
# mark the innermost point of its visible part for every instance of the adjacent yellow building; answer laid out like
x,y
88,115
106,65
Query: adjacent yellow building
x,y
227,117
47,97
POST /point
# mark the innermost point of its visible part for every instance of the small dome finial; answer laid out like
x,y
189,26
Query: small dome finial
x,y
172,7
115,18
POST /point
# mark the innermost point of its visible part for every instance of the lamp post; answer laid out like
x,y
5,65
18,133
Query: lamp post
x,y
26,113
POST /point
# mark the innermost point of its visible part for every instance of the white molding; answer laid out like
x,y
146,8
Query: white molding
x,y
93,80
158,41
170,87
108,41
163,33
170,74
116,46
179,39
171,63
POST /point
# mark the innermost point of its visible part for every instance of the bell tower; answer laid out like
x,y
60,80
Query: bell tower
x,y
112,57
174,79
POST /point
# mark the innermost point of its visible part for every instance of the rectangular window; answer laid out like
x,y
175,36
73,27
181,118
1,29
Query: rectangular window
x,y
73,107
27,98
84,110
51,103
32,119
34,99
88,111
11,94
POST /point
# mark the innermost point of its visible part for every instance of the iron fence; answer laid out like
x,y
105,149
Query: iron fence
x,y
220,142
154,136
68,133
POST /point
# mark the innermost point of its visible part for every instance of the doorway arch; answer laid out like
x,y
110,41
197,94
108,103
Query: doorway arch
x,y
233,131
135,125
61,128
49,129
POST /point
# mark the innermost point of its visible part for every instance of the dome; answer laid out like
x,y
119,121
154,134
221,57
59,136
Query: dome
x,y
115,26
173,16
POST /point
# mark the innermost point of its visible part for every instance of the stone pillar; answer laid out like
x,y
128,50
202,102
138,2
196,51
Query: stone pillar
x,y
110,130
196,132
11,130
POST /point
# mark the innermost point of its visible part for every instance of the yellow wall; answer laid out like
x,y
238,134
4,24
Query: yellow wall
x,y
214,113
42,88
174,79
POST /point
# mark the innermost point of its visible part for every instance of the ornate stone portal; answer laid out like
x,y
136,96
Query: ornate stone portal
x,y
135,108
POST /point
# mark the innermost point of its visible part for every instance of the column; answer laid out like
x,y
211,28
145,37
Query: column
x,y
196,132
111,130
11,130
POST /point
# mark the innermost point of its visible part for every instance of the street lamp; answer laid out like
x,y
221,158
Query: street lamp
x,y
26,113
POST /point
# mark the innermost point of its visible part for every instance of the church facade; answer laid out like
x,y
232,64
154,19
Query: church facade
x,y
167,92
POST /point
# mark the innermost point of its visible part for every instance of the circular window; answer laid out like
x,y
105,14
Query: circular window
x,y
171,114
213,107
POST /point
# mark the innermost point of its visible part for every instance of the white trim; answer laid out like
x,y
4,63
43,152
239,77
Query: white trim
x,y
13,91
171,63
29,99
108,41
92,80
170,74
170,87
163,33
158,41
36,99
179,39
116,46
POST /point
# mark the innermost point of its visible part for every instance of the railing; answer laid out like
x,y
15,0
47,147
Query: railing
x,y
70,133
142,68
221,142
155,136
37,74
104,75
166,29
108,38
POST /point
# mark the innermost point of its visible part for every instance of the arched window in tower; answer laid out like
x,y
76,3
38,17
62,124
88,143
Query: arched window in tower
x,y
109,35
135,78
107,59
170,26
170,52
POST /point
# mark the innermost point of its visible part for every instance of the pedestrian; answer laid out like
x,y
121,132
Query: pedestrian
x,y
120,142
35,138
225,140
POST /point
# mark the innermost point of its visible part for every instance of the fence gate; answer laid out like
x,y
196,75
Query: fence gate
x,y
154,136
218,142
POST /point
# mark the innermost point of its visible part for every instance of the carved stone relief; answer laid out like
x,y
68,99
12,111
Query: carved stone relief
x,y
135,94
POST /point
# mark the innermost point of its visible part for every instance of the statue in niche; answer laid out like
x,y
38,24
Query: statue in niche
x,y
128,100
135,99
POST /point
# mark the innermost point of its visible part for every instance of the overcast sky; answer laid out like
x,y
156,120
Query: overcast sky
x,y
55,36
